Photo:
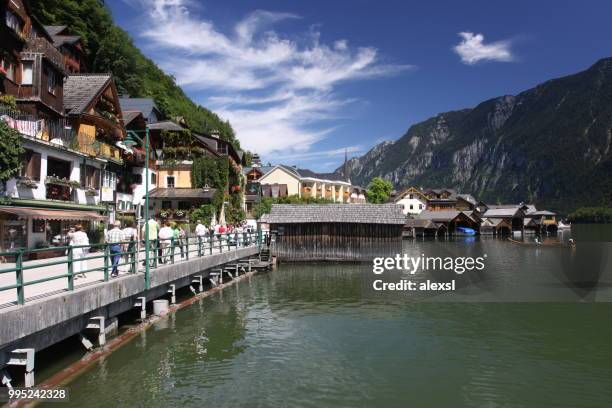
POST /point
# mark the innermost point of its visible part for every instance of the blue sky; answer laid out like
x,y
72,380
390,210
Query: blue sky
x,y
303,81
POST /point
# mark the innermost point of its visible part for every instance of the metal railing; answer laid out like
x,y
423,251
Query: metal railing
x,y
112,256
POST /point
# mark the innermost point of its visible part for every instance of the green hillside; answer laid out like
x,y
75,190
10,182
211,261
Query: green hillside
x,y
110,49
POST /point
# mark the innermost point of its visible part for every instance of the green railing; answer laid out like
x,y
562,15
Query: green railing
x,y
131,253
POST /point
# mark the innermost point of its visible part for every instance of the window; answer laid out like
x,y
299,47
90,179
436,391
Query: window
x,y
411,207
420,206
109,179
153,178
411,196
170,181
184,205
26,73
137,178
8,65
51,81
90,177
30,165
166,205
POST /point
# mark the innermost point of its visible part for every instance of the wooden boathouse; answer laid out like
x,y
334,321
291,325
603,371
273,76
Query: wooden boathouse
x,y
335,232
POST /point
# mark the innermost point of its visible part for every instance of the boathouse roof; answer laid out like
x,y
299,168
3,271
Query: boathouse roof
x,y
443,216
337,213
502,212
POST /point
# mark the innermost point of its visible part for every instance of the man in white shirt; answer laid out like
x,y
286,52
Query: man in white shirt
x,y
165,236
201,232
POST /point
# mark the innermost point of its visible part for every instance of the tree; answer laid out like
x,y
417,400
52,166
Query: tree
x,y
264,206
379,190
10,152
204,213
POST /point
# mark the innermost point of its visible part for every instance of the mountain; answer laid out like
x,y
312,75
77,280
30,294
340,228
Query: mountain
x,y
550,145
110,49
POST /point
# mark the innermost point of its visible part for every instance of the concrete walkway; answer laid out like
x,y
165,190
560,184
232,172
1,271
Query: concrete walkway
x,y
40,271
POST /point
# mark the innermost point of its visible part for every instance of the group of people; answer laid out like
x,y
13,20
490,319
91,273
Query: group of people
x,y
165,238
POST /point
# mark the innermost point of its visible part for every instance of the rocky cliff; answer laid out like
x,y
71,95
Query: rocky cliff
x,y
550,145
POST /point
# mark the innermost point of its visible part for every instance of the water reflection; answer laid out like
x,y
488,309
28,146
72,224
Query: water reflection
x,y
306,335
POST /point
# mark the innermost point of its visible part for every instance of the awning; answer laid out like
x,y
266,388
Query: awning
x,y
44,214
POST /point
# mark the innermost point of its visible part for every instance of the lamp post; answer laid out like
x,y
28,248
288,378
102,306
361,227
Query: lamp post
x,y
146,211
146,143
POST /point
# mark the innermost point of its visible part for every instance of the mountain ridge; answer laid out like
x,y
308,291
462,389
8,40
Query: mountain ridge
x,y
550,144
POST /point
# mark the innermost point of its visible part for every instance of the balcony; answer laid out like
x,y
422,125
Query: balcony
x,y
57,132
39,45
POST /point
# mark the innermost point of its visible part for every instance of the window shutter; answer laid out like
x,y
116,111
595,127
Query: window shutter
x,y
34,166
83,170
96,179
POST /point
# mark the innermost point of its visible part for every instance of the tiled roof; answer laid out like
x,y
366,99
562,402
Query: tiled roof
x,y
469,198
181,193
165,125
59,40
129,116
418,223
262,169
144,105
443,216
306,173
55,30
501,212
81,89
337,213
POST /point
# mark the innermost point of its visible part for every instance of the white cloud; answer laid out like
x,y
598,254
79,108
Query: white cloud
x,y
276,90
472,49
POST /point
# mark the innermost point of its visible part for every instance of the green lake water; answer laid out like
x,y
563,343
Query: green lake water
x,y
312,335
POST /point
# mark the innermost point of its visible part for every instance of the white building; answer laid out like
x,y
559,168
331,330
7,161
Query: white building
x,y
412,200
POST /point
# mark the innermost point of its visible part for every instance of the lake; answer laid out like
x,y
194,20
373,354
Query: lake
x,y
316,335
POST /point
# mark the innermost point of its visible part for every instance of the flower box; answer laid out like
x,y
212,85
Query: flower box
x,y
27,183
62,182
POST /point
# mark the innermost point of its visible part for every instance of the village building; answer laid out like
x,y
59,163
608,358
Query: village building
x,y
306,183
451,220
70,46
335,232
512,216
412,200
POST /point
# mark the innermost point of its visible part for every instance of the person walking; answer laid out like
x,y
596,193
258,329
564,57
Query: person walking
x,y
79,241
153,241
182,240
165,237
114,239
201,233
129,237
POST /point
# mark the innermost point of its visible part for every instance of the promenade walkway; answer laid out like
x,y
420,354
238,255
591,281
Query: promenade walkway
x,y
37,270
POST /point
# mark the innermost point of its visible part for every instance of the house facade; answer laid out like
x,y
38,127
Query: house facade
x,y
308,184
412,200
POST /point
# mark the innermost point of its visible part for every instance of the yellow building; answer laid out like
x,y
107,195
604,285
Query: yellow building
x,y
306,183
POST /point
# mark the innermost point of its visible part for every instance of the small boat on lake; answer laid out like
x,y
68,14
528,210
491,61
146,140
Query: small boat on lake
x,y
466,231
545,244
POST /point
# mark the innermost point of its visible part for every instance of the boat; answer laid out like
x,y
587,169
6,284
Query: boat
x,y
562,226
466,231
543,244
